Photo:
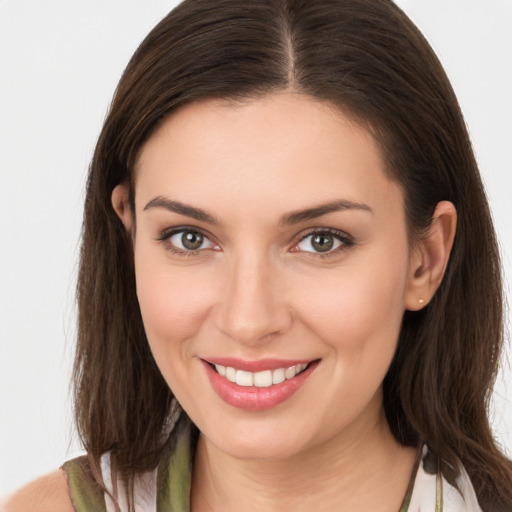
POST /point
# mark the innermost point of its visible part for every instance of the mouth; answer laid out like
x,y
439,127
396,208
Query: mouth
x,y
271,383
261,379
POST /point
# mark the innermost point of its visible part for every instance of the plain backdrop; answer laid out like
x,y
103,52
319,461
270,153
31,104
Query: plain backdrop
x,y
59,64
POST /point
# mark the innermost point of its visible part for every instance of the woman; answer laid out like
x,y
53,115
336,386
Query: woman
x,y
285,233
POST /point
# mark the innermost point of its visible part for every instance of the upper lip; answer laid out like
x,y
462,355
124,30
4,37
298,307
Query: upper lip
x,y
256,366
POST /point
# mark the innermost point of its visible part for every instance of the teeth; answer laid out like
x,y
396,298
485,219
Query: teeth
x,y
290,372
262,379
230,374
221,370
244,378
278,376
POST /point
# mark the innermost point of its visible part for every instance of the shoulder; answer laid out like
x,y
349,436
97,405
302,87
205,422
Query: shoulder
x,y
49,493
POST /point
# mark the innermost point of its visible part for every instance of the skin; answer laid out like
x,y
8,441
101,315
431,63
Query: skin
x,y
48,493
257,288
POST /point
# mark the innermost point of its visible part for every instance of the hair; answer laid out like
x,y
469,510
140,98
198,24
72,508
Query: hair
x,y
368,59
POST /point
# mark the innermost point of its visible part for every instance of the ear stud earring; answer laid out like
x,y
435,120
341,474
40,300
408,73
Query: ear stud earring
x,y
421,301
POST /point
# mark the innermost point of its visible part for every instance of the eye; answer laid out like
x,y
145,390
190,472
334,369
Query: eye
x,y
188,240
323,242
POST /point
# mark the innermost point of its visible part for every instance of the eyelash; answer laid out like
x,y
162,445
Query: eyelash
x,y
165,238
345,240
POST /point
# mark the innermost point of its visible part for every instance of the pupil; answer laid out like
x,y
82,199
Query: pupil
x,y
322,243
191,240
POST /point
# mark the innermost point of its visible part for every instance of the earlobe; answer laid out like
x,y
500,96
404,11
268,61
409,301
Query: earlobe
x,y
430,257
121,205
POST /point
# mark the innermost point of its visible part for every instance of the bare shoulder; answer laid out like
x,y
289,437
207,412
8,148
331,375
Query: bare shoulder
x,y
47,493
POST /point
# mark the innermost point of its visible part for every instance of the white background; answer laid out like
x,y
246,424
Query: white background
x,y
59,63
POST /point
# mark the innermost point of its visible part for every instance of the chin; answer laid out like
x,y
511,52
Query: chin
x,y
261,452
261,442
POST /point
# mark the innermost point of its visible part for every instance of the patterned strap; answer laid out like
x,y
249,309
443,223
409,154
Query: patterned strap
x,y
422,486
170,488
410,488
86,494
439,491
175,472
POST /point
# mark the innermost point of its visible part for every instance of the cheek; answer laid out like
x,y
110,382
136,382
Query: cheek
x,y
359,308
173,301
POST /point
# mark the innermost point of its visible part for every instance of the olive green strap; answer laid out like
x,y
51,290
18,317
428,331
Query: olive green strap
x,y
410,488
86,494
439,483
439,491
175,472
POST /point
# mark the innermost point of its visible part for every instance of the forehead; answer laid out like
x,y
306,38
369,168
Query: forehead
x,y
282,149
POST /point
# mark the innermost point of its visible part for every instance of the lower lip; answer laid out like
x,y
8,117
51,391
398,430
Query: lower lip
x,y
253,398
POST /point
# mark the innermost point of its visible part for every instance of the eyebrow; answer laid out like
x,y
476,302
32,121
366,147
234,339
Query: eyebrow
x,y
291,218
322,209
182,209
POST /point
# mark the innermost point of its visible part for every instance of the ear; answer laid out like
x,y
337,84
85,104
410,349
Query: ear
x,y
121,204
430,256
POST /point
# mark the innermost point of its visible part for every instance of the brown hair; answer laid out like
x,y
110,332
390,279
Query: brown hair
x,y
368,58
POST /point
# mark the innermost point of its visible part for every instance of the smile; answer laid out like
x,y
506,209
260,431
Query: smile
x,y
262,379
257,385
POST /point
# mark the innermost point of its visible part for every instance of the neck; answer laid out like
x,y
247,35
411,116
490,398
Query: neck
x,y
365,469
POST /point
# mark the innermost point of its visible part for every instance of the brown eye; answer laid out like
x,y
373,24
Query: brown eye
x,y
192,241
188,240
322,242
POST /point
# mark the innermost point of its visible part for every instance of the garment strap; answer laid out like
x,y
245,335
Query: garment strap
x,y
175,471
164,489
86,494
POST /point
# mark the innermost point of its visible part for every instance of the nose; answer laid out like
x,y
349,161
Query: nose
x,y
254,306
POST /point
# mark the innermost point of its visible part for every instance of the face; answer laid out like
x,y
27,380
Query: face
x,y
272,265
